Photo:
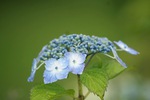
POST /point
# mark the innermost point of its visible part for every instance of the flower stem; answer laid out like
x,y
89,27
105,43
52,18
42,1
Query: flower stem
x,y
87,94
89,60
80,94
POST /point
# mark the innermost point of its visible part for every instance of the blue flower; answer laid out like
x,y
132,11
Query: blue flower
x,y
117,57
76,62
55,70
124,47
33,70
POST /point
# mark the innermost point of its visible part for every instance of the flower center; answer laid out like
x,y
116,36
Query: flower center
x,y
56,68
74,61
125,47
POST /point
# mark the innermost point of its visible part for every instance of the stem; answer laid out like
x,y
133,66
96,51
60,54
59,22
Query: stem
x,y
89,60
39,65
109,56
80,95
119,49
87,94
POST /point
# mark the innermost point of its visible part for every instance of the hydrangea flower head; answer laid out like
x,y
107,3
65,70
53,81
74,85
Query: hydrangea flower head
x,y
68,54
33,70
125,47
76,62
55,70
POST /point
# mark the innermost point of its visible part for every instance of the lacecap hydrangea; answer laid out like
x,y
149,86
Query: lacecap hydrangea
x,y
69,52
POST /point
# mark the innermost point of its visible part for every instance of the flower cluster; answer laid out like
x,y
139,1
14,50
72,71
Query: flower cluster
x,y
68,54
57,69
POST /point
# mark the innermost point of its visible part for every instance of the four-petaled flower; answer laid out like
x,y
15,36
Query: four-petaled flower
x,y
76,62
55,70
125,47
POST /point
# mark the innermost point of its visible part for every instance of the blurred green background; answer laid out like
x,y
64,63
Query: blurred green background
x,y
26,26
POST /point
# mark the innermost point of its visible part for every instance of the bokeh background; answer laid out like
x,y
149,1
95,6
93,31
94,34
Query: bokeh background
x,y
26,26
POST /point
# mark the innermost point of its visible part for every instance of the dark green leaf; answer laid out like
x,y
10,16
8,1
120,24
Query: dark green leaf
x,y
96,80
49,92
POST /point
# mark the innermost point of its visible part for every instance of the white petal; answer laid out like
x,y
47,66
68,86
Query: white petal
x,y
63,74
76,62
56,70
131,51
63,63
121,44
50,64
49,77
78,69
78,57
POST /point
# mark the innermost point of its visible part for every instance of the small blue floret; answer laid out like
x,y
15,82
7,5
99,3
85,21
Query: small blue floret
x,y
55,70
125,47
76,62
33,70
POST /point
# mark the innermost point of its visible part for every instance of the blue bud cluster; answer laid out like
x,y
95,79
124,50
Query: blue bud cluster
x,y
80,43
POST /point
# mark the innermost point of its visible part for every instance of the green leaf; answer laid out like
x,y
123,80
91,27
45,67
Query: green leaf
x,y
49,92
95,62
113,68
96,80
98,72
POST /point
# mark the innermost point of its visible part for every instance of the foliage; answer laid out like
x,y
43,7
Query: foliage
x,y
94,78
73,53
49,92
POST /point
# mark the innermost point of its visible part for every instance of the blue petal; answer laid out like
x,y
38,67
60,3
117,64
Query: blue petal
x,y
33,70
117,58
125,47
78,66
132,51
49,63
49,77
77,56
63,62
82,57
121,62
78,69
63,74
51,74
67,54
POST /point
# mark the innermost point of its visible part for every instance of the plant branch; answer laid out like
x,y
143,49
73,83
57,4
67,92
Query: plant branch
x,y
87,94
80,95
89,59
